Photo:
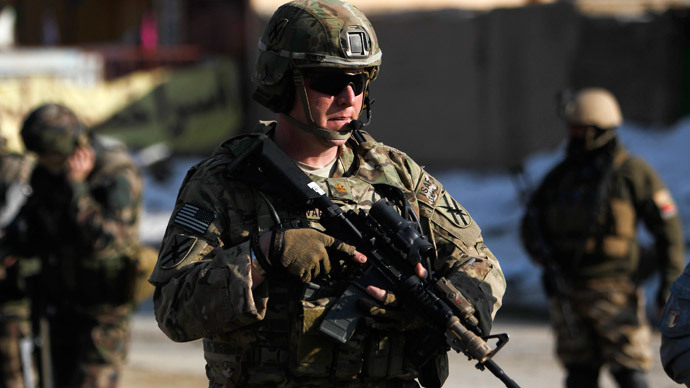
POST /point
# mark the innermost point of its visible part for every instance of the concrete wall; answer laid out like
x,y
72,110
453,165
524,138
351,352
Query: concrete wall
x,y
477,90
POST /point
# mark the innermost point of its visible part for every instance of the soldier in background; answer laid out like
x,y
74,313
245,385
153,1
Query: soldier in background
x,y
584,218
17,369
252,273
82,221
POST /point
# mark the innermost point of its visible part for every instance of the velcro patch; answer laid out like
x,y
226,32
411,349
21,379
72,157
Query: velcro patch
x,y
428,190
664,201
451,209
194,218
176,250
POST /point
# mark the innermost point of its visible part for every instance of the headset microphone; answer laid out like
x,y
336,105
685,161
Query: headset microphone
x,y
355,125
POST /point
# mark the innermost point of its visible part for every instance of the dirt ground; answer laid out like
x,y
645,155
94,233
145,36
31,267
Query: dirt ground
x,y
155,361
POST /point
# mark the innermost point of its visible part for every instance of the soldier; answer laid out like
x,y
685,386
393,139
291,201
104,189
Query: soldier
x,y
675,331
253,305
583,218
82,221
17,369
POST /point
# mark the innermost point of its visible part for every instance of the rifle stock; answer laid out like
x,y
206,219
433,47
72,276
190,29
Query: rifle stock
x,y
393,246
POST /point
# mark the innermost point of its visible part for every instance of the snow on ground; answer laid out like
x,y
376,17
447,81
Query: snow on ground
x,y
493,200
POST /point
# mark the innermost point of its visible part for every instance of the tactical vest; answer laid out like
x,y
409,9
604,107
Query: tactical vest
x,y
286,348
591,228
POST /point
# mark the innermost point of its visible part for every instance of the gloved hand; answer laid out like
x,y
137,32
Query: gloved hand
x,y
306,253
389,314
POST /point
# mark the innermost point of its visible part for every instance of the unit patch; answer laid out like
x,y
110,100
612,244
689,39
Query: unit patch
x,y
664,201
177,250
452,210
194,218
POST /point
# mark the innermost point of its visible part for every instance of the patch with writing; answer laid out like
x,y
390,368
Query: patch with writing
x,y
176,250
429,190
194,218
664,201
314,215
452,210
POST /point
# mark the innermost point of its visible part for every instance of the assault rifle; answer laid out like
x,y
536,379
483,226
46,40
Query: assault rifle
x,y
393,246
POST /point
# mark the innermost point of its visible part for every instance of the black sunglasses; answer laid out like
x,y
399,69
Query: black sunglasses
x,y
332,83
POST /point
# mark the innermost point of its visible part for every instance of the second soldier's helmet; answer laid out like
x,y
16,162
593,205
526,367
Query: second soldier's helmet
x,y
305,35
53,128
598,111
595,107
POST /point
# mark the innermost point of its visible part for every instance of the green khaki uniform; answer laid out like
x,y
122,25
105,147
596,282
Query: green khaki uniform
x,y
15,327
86,234
268,337
587,210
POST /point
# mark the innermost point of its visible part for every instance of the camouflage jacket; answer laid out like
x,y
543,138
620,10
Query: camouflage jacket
x,y
86,233
204,288
588,211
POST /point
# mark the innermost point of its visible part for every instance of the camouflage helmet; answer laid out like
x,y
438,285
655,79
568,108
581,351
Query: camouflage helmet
x,y
311,34
595,107
53,128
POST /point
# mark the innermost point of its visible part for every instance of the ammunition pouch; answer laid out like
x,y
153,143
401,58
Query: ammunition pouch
x,y
371,353
368,355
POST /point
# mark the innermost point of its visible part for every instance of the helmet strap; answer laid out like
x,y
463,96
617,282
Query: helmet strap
x,y
310,126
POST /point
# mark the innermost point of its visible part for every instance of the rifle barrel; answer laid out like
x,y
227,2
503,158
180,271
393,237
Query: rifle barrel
x,y
498,372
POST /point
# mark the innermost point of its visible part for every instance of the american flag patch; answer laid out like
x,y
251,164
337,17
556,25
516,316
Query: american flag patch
x,y
194,218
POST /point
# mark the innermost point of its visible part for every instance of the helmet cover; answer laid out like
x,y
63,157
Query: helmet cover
x,y
311,34
53,128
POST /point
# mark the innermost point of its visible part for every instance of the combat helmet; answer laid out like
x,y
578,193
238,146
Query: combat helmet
x,y
307,35
597,109
53,128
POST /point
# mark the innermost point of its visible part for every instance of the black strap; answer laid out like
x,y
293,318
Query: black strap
x,y
259,253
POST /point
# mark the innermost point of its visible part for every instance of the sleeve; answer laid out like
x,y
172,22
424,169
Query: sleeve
x,y
532,235
462,256
675,331
659,212
106,213
532,242
202,277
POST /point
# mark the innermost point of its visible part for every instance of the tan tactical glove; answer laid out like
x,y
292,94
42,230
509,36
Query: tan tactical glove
x,y
389,314
305,253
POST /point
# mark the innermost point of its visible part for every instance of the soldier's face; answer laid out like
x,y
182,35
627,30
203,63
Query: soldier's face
x,y
334,101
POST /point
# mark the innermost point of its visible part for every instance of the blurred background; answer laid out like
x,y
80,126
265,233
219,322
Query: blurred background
x,y
467,88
